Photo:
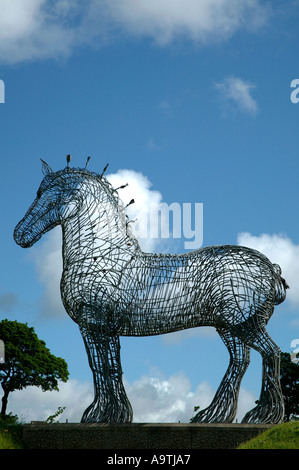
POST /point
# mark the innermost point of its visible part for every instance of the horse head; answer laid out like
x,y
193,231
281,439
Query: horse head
x,y
57,199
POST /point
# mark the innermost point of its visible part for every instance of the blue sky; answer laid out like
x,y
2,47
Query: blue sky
x,y
193,99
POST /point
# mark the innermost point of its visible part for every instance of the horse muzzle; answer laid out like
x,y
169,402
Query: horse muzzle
x,y
23,237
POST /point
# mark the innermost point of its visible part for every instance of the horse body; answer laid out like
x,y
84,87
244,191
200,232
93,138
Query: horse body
x,y
162,294
111,289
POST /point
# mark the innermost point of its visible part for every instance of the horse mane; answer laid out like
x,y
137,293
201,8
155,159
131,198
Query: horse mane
x,y
113,196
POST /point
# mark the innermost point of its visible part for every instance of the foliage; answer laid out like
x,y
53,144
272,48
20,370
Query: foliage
x,y
27,361
51,418
8,420
282,436
289,378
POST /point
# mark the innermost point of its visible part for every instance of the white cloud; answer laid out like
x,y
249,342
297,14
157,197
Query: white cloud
x,y
34,29
281,250
18,18
237,92
154,398
199,20
138,189
147,204
47,258
166,400
32,404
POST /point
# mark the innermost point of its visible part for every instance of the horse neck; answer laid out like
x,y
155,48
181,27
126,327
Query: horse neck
x,y
98,231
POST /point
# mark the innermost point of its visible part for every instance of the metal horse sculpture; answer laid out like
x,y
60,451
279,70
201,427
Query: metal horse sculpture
x,y
110,288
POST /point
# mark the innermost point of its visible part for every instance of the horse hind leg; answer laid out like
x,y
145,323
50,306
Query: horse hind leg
x,y
270,407
223,408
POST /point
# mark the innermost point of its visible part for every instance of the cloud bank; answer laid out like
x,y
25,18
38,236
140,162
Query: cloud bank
x,y
34,29
43,29
154,399
198,20
146,199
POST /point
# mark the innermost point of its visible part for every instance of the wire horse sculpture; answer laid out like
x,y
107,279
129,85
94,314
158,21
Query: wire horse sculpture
x,y
111,288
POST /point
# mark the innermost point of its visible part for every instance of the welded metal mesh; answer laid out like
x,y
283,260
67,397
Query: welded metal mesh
x,y
111,288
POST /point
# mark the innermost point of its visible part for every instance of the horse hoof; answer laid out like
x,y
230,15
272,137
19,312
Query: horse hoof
x,y
263,415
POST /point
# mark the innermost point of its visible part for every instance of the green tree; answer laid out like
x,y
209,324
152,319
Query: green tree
x,y
289,378
27,361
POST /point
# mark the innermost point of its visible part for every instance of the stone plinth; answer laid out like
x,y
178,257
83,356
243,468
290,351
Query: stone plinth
x,y
138,436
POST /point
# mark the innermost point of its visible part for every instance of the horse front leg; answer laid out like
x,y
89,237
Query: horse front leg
x,y
110,404
223,408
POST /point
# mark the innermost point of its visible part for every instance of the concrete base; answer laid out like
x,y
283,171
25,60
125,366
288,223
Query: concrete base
x,y
138,436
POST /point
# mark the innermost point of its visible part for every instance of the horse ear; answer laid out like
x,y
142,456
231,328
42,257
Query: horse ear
x,y
45,168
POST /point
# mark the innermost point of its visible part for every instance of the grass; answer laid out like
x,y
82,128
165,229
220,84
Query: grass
x,y
9,440
283,436
10,433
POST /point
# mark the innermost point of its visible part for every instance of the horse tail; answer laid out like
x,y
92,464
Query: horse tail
x,y
281,286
